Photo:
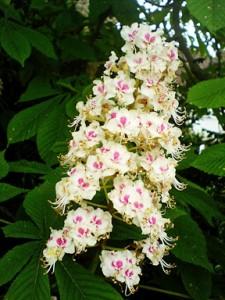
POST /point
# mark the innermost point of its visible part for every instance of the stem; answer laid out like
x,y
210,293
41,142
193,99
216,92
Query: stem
x,y
5,221
117,218
105,191
112,248
95,204
95,261
151,288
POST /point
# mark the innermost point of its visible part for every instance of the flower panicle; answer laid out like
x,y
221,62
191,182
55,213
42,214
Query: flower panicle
x,y
124,135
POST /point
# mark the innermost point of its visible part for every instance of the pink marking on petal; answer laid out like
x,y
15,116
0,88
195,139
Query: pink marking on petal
x,y
116,155
117,264
113,115
139,191
122,186
164,169
138,61
172,55
125,199
85,185
149,38
129,273
122,86
149,82
152,220
123,121
104,150
101,88
81,231
61,242
77,219
80,181
149,158
161,128
90,135
132,35
151,249
98,165
72,171
138,205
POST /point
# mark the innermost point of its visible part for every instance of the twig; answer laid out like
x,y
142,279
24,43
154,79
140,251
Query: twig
x,y
151,288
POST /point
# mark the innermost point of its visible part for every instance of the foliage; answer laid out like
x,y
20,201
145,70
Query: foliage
x,y
49,55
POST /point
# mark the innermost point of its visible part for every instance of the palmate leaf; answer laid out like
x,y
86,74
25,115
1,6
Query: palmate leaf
x,y
51,130
37,204
39,41
31,283
200,200
75,282
210,13
197,281
8,191
26,166
38,88
14,260
15,44
22,229
4,167
25,123
208,93
191,244
123,231
212,160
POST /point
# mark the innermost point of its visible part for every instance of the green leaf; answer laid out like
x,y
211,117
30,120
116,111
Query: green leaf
x,y
211,160
210,13
190,156
14,260
38,4
4,167
22,229
197,281
25,123
38,88
39,41
25,166
8,191
71,107
31,283
208,93
52,129
125,11
73,48
97,8
75,282
37,204
15,44
123,231
191,245
200,200
173,213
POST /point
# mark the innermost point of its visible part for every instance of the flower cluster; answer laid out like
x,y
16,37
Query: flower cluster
x,y
122,266
83,227
124,144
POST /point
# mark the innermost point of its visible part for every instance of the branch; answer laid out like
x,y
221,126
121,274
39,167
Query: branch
x,y
175,18
167,4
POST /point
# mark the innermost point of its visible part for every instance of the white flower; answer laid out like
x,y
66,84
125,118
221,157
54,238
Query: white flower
x,y
124,89
130,198
122,266
85,226
115,157
57,245
123,122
